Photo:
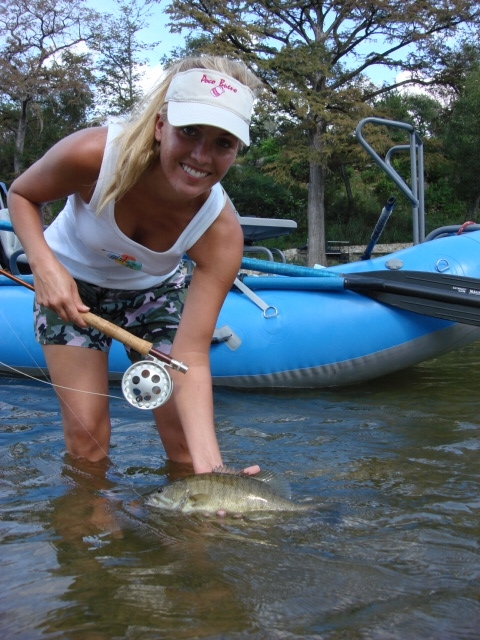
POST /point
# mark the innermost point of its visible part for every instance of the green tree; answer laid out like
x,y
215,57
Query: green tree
x,y
462,140
40,63
119,58
312,56
60,113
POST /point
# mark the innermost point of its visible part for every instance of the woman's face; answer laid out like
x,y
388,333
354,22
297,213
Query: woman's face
x,y
195,157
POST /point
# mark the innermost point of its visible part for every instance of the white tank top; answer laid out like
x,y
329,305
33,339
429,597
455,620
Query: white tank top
x,y
93,248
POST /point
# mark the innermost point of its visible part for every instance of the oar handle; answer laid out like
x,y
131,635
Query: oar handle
x,y
283,269
143,347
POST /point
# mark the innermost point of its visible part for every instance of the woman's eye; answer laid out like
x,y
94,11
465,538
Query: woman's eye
x,y
189,130
225,143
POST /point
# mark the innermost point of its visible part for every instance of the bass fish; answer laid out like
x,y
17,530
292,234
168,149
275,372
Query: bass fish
x,y
225,492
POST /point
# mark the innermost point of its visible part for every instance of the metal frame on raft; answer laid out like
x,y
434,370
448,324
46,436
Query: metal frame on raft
x,y
415,193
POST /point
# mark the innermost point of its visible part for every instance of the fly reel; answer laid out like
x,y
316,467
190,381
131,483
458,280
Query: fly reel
x,y
147,384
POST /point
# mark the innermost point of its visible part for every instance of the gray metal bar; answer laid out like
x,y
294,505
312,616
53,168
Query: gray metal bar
x,y
415,194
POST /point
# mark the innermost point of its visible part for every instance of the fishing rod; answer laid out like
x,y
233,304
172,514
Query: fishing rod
x,y
453,298
145,384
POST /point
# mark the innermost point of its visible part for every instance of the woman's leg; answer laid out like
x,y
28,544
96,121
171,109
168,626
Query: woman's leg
x,y
171,433
80,376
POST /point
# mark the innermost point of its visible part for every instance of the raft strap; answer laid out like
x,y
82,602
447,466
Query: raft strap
x,y
269,311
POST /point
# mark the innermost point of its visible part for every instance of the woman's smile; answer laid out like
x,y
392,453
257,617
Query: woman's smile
x,y
195,173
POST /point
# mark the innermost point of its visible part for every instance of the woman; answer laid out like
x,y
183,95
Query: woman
x,y
140,196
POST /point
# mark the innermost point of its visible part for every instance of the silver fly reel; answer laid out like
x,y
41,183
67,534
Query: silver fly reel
x,y
147,384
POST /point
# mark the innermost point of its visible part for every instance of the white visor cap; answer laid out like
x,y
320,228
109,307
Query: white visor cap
x,y
203,96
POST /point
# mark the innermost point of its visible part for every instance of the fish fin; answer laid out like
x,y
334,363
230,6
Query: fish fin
x,y
199,499
277,483
223,469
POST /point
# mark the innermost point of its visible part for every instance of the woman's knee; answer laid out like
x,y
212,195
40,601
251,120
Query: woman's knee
x,y
87,434
89,442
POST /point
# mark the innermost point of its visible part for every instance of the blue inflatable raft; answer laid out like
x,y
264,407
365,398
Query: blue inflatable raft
x,y
292,337
317,328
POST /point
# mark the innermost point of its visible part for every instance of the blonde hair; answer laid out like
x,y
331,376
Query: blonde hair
x,y
138,147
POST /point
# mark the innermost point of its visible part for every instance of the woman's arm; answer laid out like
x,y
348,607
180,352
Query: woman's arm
x,y
71,166
217,256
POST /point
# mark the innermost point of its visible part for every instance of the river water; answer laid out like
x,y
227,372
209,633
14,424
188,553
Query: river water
x,y
389,550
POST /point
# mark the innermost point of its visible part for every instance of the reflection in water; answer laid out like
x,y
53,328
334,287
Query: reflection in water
x,y
120,565
392,551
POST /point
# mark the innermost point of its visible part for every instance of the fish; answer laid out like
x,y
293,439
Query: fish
x,y
223,492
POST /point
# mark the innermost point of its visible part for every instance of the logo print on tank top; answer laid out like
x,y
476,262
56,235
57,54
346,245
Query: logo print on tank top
x,y
125,260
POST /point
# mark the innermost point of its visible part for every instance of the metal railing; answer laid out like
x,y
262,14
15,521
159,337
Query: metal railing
x,y
416,192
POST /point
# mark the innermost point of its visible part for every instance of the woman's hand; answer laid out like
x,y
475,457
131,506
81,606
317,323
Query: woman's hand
x,y
251,471
56,289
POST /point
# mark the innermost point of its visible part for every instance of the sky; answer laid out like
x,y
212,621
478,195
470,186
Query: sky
x,y
158,31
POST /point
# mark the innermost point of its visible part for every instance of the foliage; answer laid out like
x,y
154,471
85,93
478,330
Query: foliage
x,y
120,56
40,64
62,66
462,140
312,57
257,194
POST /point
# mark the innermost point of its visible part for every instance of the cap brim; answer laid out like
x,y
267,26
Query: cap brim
x,y
181,114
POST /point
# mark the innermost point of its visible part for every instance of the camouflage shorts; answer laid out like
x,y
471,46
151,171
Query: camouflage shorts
x,y
151,314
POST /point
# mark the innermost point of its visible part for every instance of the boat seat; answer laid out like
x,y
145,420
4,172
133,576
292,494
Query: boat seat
x,y
256,230
12,255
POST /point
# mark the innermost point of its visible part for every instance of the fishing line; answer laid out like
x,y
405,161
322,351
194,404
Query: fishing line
x,y
21,342
58,386
55,386
129,388
37,364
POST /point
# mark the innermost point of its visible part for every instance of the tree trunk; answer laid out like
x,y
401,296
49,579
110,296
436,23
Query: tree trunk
x,y
316,206
20,140
316,215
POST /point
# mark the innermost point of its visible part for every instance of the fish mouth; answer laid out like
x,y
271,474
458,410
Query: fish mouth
x,y
159,501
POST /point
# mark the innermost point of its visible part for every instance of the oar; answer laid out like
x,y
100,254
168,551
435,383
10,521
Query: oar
x,y
113,331
453,298
379,227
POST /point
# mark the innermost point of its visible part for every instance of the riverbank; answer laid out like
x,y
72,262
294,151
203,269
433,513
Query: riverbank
x,y
350,253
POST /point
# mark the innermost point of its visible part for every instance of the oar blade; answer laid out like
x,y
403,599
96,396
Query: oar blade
x,y
460,284
453,298
444,310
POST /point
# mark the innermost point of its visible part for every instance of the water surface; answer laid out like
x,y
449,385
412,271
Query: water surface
x,y
389,550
